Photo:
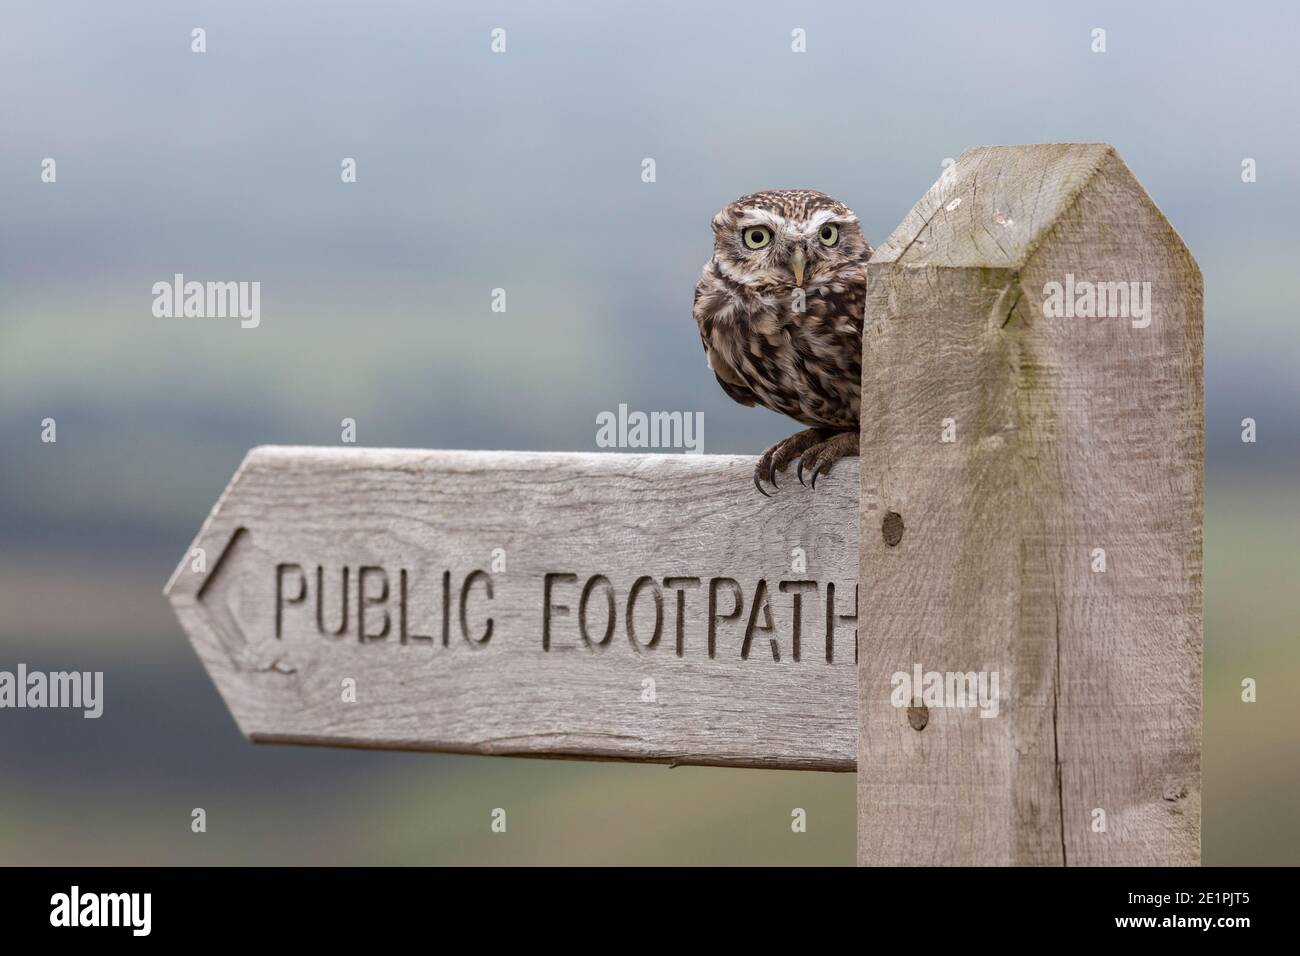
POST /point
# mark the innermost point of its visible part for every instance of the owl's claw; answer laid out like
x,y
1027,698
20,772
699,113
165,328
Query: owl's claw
x,y
814,450
783,453
820,467
821,457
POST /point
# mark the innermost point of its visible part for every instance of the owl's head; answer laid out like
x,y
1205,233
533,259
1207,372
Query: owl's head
x,y
784,238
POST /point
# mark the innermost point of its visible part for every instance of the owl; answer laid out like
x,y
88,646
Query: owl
x,y
780,309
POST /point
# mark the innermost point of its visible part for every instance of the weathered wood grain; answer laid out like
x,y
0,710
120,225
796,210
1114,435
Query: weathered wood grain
x,y
1071,434
629,518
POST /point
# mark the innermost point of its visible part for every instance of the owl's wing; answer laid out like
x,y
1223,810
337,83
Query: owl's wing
x,y
740,393
736,389
695,311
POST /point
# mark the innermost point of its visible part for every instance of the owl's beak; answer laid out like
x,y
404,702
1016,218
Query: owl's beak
x,y
798,262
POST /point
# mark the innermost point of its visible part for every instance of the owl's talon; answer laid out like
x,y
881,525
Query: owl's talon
x,y
763,471
784,452
823,468
820,458
809,461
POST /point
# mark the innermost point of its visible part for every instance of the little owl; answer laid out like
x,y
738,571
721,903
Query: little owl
x,y
780,310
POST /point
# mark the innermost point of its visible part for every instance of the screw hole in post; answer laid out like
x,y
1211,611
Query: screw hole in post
x,y
918,716
892,528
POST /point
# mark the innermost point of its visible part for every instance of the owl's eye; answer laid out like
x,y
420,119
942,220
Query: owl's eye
x,y
830,234
756,237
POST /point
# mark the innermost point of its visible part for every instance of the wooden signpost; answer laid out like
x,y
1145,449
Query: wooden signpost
x,y
1032,419
642,607
1011,661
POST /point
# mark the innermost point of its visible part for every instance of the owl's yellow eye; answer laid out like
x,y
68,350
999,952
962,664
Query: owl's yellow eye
x,y
756,237
830,234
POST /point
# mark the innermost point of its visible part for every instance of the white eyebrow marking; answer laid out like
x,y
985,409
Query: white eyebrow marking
x,y
823,216
761,217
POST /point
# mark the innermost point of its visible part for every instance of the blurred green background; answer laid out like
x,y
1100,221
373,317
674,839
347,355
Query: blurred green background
x,y
522,171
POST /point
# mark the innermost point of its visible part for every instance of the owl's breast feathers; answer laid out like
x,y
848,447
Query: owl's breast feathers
x,y
806,365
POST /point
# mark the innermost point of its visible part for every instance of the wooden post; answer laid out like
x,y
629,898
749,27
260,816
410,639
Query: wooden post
x,y
633,607
1032,441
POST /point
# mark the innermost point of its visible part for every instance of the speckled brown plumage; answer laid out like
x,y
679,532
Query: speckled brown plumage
x,y
781,321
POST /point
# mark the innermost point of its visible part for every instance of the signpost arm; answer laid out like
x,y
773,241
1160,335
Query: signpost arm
x,y
602,606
